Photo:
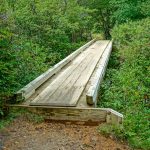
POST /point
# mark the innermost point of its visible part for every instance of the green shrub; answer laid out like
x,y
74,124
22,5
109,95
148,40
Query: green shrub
x,y
34,36
127,82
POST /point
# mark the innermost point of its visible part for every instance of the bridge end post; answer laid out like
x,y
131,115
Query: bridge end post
x,y
114,117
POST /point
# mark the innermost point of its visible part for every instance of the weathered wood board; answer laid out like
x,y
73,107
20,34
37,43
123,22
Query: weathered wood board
x,y
29,89
92,93
76,114
66,89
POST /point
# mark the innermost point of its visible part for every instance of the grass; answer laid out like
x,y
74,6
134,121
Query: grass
x,y
19,112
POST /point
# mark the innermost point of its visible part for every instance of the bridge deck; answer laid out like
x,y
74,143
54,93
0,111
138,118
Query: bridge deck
x,y
70,84
65,91
67,87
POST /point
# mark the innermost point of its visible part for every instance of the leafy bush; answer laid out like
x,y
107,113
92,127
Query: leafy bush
x,y
35,35
20,62
127,82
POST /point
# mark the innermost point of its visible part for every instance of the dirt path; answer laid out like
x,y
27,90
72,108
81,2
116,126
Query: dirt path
x,y
26,135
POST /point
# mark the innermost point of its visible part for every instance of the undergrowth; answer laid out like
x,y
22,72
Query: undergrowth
x,y
24,114
126,85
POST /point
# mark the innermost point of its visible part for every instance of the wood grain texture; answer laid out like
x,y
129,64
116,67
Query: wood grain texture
x,y
107,115
32,86
92,93
66,89
78,62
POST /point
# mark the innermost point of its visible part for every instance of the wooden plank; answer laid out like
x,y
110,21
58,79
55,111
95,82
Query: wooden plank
x,y
84,78
63,95
69,92
50,95
107,115
69,113
32,86
92,93
49,90
114,117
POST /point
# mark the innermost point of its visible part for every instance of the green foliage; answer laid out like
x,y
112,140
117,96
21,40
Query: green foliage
x,y
19,112
127,10
115,131
34,117
10,117
108,13
127,82
102,11
35,35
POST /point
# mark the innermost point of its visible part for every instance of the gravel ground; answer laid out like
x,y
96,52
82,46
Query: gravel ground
x,y
23,134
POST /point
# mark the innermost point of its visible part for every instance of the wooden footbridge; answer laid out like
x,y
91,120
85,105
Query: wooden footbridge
x,y
69,90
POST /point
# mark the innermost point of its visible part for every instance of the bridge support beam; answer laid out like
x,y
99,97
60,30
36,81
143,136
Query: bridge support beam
x,y
93,115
